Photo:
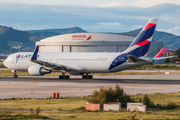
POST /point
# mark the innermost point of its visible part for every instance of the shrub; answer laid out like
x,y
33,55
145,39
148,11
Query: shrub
x,y
35,113
148,102
109,95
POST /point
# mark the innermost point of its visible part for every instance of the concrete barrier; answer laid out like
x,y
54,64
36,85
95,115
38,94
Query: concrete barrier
x,y
128,104
139,108
114,106
166,73
93,107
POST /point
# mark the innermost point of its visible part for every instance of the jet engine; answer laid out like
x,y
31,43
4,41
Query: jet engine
x,y
36,70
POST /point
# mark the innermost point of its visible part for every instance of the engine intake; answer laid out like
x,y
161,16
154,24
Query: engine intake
x,y
36,70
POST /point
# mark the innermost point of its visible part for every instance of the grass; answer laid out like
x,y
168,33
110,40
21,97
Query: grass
x,y
48,104
159,67
161,98
72,109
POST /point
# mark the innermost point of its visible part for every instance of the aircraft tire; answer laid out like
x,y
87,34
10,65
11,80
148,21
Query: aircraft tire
x,y
87,77
15,76
90,77
84,77
60,77
67,77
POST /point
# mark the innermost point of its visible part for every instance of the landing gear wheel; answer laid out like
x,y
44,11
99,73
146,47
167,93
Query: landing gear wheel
x,y
60,77
87,77
84,77
64,77
15,76
90,77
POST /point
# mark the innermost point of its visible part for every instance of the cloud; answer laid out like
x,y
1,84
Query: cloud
x,y
171,18
111,4
175,30
150,3
105,27
92,19
139,3
115,27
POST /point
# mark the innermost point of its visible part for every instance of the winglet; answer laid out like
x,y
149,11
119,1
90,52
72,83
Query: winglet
x,y
34,56
160,53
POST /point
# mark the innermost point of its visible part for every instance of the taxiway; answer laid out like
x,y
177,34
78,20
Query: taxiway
x,y
41,87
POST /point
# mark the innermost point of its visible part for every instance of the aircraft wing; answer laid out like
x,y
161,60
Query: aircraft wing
x,y
49,64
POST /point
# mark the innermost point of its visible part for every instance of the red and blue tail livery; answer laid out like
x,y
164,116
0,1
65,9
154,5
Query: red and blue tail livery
x,y
139,47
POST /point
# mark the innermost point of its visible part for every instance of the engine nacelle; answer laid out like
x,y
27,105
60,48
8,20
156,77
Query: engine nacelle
x,y
36,70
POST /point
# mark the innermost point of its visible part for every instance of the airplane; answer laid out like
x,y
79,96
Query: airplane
x,y
41,63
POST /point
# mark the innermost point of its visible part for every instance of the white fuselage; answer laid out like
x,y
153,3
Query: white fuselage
x,y
82,62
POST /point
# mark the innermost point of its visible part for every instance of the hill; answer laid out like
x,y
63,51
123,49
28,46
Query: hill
x,y
12,40
170,41
53,32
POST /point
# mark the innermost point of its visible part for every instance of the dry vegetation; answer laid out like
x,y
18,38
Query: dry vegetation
x,y
73,108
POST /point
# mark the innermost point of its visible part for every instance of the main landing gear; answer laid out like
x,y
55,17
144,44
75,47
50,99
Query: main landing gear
x,y
87,77
63,76
14,74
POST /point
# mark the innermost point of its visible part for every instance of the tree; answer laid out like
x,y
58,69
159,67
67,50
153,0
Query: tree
x,y
177,52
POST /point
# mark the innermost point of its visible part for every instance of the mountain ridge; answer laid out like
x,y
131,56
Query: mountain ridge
x,y
12,40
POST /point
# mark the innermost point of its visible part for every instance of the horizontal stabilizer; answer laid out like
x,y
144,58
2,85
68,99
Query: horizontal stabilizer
x,y
158,56
161,58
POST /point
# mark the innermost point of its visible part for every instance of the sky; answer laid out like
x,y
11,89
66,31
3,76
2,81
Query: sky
x,y
99,3
115,16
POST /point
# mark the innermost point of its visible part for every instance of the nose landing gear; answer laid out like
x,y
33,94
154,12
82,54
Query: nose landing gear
x,y
14,74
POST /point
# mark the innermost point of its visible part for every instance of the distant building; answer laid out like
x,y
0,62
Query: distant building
x,y
169,52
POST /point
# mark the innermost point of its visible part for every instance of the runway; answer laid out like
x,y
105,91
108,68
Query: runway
x,y
41,87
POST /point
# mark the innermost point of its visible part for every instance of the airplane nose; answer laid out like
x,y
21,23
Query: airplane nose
x,y
5,62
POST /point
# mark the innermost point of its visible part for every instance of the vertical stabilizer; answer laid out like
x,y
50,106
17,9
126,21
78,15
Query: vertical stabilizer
x,y
140,45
